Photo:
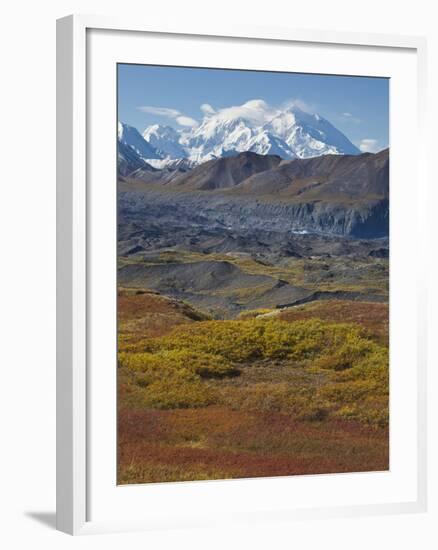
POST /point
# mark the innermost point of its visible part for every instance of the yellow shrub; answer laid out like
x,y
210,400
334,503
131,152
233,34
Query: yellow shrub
x,y
245,340
349,392
171,370
167,362
373,367
177,394
377,417
235,341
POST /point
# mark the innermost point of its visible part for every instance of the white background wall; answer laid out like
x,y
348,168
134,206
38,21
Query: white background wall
x,y
27,218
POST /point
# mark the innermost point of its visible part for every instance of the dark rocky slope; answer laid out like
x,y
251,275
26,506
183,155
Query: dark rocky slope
x,y
334,194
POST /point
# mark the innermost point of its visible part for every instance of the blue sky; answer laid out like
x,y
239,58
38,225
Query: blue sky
x,y
358,106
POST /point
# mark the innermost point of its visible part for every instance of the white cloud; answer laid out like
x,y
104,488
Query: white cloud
x,y
259,112
160,111
303,105
255,110
368,145
179,117
186,121
350,117
207,109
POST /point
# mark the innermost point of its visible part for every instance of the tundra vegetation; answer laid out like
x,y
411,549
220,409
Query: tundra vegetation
x,y
271,392
253,317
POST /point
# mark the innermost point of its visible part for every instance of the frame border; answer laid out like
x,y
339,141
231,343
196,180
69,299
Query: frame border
x,y
71,266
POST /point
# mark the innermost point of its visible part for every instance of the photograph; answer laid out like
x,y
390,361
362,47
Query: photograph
x,y
252,273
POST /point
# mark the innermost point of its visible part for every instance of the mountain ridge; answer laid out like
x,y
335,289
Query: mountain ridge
x,y
289,133
345,195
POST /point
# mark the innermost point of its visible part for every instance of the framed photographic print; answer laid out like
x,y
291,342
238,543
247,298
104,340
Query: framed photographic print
x,y
240,287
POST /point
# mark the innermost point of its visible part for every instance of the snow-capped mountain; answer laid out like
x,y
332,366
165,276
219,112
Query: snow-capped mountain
x,y
254,126
180,164
290,133
130,136
128,161
266,143
215,136
309,135
165,140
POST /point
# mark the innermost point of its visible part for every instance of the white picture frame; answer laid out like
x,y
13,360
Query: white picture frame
x,y
74,220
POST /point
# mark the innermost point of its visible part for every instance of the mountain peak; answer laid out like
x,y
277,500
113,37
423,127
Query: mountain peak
x,y
159,130
130,136
165,140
